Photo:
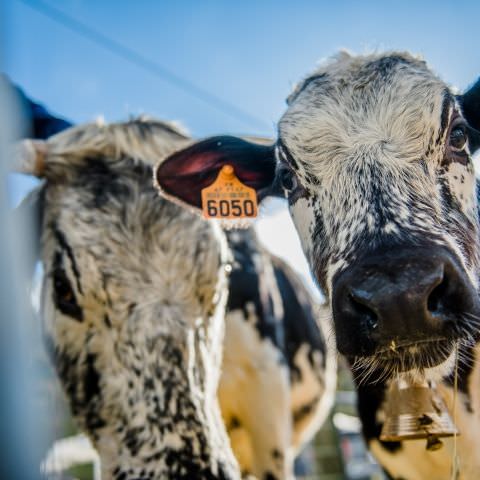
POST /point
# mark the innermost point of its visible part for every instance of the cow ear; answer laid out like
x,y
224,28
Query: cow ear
x,y
29,156
470,102
182,176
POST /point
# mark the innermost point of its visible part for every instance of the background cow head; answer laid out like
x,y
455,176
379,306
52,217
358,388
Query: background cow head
x,y
133,302
374,157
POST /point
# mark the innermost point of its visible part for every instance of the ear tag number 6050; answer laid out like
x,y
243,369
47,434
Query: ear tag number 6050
x,y
228,198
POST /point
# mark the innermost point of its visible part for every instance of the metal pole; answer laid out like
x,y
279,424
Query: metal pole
x,y
20,445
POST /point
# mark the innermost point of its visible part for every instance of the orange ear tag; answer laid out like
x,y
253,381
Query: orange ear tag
x,y
227,198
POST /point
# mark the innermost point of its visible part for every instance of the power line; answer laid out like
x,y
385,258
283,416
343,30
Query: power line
x,y
141,61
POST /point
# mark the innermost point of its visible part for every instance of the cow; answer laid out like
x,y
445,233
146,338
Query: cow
x,y
374,156
133,303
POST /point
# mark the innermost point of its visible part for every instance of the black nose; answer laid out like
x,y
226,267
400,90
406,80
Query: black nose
x,y
407,295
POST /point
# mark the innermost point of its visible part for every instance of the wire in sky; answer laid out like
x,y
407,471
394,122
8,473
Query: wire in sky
x,y
141,61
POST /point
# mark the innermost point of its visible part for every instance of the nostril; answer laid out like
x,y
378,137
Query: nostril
x,y
363,311
436,298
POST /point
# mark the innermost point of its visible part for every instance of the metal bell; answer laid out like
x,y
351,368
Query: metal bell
x,y
416,411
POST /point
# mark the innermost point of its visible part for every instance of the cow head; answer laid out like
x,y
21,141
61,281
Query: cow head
x,y
133,302
374,157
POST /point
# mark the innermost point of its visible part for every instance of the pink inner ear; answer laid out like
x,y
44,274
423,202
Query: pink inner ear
x,y
185,173
184,177
188,181
179,165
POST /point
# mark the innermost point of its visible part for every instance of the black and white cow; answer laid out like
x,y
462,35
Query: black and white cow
x,y
278,375
134,298
374,157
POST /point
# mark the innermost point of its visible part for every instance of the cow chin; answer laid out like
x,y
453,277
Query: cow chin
x,y
416,362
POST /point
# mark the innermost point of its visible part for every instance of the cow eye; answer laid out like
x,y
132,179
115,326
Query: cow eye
x,y
288,180
458,138
62,286
64,296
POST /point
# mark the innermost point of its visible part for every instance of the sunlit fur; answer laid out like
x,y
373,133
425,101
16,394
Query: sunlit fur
x,y
366,139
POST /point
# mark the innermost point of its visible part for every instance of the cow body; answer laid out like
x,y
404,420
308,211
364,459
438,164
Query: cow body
x,y
134,299
276,354
374,158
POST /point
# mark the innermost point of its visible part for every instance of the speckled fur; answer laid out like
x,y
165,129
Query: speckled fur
x,y
140,364
367,135
276,355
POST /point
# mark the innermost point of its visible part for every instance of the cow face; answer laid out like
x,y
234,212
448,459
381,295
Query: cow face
x,y
374,158
133,307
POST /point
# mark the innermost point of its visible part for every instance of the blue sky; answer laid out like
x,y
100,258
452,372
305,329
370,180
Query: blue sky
x,y
249,53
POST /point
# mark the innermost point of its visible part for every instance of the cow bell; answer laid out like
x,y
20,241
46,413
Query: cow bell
x,y
416,411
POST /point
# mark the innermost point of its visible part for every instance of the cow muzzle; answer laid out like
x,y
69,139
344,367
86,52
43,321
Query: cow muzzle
x,y
416,301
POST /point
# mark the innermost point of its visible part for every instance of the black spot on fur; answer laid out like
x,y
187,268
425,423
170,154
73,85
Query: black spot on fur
x,y
233,424
299,318
81,384
245,286
277,454
446,104
297,326
107,321
102,181
91,382
132,439
65,246
321,253
383,67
